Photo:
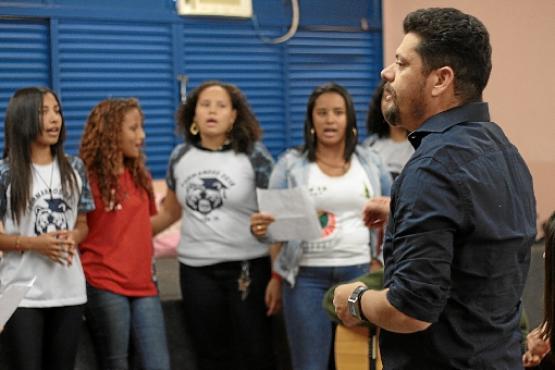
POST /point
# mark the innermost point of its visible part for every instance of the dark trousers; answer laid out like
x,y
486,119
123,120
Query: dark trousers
x,y
226,331
44,338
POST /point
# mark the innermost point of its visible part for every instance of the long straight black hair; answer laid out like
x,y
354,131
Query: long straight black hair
x,y
23,125
351,134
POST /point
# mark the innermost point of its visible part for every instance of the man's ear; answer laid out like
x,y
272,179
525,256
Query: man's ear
x,y
444,79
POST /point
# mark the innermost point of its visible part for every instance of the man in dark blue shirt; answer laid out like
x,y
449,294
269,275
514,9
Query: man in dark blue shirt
x,y
462,212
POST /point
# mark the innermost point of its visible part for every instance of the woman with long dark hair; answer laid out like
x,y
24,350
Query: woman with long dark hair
x,y
44,197
341,176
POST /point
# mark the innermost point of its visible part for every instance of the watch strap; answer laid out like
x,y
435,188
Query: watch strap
x,y
355,307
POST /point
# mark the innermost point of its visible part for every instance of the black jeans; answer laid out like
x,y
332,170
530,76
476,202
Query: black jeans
x,y
44,338
226,331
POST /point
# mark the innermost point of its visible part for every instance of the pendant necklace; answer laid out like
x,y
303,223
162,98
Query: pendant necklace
x,y
49,184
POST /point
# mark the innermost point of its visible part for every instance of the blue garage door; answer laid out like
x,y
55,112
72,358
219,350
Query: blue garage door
x,y
98,60
87,59
233,53
24,59
348,58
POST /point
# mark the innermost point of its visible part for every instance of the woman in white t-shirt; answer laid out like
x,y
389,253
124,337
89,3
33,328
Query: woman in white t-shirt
x,y
44,196
225,272
341,177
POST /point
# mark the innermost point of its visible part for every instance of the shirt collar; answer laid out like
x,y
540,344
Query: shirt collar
x,y
225,147
441,122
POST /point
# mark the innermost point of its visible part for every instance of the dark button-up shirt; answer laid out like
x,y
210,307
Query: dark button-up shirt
x,y
457,248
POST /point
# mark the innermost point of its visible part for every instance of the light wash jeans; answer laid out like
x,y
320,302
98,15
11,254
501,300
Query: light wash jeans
x,y
309,329
114,319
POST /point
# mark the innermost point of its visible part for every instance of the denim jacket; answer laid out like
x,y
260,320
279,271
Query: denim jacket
x,y
291,171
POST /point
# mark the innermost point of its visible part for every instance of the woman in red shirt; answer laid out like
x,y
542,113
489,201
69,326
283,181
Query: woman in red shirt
x,y
117,255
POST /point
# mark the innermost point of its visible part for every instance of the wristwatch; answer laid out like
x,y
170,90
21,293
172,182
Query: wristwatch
x,y
353,302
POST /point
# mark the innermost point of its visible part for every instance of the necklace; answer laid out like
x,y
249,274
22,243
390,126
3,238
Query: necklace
x,y
49,184
343,167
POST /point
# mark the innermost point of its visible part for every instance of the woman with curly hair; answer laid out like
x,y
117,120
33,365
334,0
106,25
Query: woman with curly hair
x,y
225,271
44,197
117,255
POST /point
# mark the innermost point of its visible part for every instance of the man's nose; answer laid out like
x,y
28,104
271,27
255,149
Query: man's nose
x,y
387,73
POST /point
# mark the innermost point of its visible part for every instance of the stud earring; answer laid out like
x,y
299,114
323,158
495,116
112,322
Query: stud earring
x,y
194,130
312,132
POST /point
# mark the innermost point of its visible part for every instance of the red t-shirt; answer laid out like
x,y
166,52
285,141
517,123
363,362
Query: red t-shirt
x,y
117,254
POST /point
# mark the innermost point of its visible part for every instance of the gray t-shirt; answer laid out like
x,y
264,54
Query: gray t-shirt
x,y
217,194
394,154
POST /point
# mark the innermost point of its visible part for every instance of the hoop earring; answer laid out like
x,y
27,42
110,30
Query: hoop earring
x,y
193,129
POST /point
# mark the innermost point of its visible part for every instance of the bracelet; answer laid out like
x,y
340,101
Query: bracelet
x,y
276,276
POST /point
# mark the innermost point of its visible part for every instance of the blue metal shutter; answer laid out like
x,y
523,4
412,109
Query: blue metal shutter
x,y
98,60
231,52
24,59
352,59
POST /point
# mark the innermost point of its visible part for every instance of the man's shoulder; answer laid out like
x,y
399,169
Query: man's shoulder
x,y
463,143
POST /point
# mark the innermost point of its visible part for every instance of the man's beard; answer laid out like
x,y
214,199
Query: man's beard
x,y
415,108
392,115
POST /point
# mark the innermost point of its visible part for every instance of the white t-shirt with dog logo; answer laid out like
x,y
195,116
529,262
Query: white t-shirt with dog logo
x,y
48,210
217,194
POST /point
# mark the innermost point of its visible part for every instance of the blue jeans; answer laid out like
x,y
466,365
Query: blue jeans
x,y
309,329
114,319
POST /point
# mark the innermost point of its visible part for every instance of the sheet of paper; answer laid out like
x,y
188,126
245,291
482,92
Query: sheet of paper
x,y
294,213
10,298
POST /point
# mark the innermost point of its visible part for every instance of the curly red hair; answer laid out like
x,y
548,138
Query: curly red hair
x,y
101,151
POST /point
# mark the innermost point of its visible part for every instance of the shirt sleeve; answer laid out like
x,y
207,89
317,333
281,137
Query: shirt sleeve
x,y
278,179
152,209
428,211
175,156
262,163
86,200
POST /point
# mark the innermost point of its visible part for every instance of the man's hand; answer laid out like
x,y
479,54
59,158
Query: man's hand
x,y
376,212
340,296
